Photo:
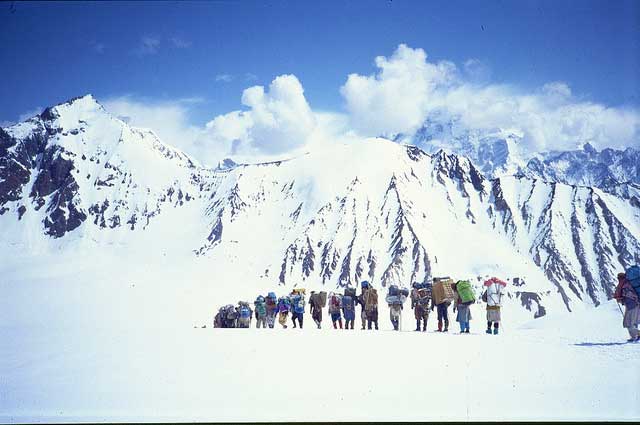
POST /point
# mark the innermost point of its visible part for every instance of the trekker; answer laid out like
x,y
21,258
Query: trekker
x,y
463,299
230,317
349,308
297,306
335,303
272,309
371,306
442,296
395,299
316,303
261,312
627,296
364,285
420,300
284,305
493,297
218,319
244,314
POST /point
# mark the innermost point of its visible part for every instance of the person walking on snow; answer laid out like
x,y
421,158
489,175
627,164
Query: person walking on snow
x,y
271,303
244,314
395,299
349,310
335,304
297,302
261,312
420,300
627,296
464,313
493,297
371,306
360,300
284,305
316,308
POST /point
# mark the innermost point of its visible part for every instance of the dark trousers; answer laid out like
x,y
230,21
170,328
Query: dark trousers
x,y
299,317
496,325
443,315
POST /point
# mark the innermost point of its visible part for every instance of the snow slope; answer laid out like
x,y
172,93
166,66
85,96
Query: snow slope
x,y
107,344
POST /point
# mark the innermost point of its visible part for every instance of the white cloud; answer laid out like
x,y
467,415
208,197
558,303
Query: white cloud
x,y
278,120
396,98
31,113
148,45
179,43
225,78
407,88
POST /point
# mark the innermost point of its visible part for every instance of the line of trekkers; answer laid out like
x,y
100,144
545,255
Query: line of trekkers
x,y
425,297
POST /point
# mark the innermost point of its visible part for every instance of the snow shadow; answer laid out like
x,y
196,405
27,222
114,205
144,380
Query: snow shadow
x,y
599,344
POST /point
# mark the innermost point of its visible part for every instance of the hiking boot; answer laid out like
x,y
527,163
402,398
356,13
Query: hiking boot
x,y
489,331
466,331
495,331
632,339
446,330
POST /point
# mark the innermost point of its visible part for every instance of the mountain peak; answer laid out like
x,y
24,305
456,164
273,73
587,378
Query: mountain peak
x,y
77,104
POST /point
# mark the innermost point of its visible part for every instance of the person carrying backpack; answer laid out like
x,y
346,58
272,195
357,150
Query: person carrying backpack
x,y
395,299
218,319
297,307
271,304
493,297
628,296
462,304
364,285
230,316
335,304
261,312
420,300
315,301
284,306
349,309
244,314
371,306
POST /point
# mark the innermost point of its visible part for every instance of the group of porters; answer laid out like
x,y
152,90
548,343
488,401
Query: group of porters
x,y
425,298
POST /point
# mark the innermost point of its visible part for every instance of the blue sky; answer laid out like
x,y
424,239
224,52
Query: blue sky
x,y
202,55
54,51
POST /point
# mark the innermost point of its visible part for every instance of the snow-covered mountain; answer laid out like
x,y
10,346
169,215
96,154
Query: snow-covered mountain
x,y
76,177
587,166
500,152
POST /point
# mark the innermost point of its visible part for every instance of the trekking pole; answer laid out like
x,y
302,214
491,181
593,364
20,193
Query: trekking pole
x,y
620,308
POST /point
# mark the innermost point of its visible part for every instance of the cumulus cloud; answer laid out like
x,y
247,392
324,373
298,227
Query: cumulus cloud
x,y
407,88
277,120
168,119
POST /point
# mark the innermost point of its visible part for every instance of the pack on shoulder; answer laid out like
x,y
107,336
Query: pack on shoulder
x,y
245,311
347,302
633,276
322,297
371,299
393,290
349,291
465,291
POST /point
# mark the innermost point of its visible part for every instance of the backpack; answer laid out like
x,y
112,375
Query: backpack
x,y
393,290
364,284
465,291
370,299
272,296
349,292
261,308
230,312
245,311
335,301
633,276
322,298
423,296
298,304
347,302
